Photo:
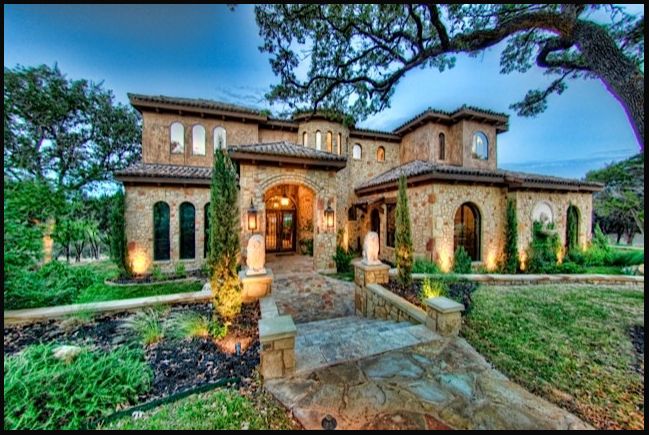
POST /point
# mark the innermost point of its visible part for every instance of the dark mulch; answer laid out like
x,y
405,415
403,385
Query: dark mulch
x,y
636,334
411,294
176,364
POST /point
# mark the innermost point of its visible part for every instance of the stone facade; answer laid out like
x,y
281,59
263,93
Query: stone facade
x,y
433,204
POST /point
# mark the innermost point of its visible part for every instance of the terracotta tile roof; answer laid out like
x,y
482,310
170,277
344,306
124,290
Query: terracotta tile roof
x,y
286,149
198,103
165,171
500,119
419,167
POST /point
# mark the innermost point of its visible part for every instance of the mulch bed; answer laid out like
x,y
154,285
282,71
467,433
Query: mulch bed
x,y
176,364
411,294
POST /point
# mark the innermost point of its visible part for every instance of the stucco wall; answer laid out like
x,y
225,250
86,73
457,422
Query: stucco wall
x,y
139,223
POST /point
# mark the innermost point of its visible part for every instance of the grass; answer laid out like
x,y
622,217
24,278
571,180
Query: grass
x,y
101,292
569,344
190,325
343,276
41,392
222,409
147,324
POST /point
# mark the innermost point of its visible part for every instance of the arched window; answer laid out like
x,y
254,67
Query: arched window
x,y
177,135
198,140
480,146
330,145
161,231
442,146
380,154
187,231
318,140
467,230
220,138
357,152
206,229
340,143
572,228
305,138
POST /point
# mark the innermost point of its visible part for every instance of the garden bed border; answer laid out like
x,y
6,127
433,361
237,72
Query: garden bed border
x,y
165,281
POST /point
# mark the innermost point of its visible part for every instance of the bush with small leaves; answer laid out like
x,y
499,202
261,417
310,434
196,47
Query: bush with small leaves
x,y
461,261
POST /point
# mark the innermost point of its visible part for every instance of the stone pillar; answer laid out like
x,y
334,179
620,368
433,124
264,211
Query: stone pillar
x,y
365,275
444,315
277,338
256,286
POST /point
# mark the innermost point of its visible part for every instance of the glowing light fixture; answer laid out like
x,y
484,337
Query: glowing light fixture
x,y
252,217
329,217
284,201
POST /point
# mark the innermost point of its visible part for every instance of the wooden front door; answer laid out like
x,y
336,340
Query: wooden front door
x,y
280,231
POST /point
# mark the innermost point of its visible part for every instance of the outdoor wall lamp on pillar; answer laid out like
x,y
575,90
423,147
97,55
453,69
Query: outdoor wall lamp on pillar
x,y
329,217
252,217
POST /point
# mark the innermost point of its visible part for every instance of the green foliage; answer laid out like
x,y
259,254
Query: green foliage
x,y
101,292
306,245
569,267
461,261
422,265
223,255
431,289
70,132
343,259
216,329
180,270
118,248
41,392
191,324
510,263
599,240
156,273
402,236
542,252
147,325
572,230
461,291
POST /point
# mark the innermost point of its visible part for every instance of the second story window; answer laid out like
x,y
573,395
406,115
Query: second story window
x,y
305,138
330,145
357,152
318,140
220,139
198,140
380,154
442,146
480,146
177,136
340,143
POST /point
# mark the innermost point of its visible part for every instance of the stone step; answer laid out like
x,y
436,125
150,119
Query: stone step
x,y
335,324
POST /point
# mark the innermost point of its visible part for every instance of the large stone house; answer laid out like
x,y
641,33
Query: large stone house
x,y
312,180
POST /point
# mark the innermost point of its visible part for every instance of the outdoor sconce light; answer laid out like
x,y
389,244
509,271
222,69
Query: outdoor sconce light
x,y
252,217
329,217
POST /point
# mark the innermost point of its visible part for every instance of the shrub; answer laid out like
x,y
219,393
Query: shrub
x,y
189,325
542,252
461,291
569,267
461,261
510,260
180,270
402,236
227,297
431,289
118,247
600,240
306,245
156,273
627,258
147,324
217,329
43,393
343,259
422,265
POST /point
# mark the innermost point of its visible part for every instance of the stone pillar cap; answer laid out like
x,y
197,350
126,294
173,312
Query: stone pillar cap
x,y
275,328
443,304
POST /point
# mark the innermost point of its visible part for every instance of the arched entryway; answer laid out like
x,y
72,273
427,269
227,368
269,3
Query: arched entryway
x,y
572,227
289,219
467,230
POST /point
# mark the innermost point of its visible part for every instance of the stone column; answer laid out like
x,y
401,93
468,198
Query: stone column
x,y
365,275
277,338
444,315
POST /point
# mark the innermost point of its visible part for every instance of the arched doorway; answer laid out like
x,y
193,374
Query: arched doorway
x,y
289,224
467,230
375,223
280,224
572,227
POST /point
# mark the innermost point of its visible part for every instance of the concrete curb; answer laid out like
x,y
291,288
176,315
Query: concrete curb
x,y
39,314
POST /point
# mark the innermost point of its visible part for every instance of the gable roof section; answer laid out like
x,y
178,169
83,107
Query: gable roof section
x,y
284,152
498,120
419,171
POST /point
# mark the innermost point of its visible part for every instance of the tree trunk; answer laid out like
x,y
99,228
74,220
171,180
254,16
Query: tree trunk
x,y
620,76
619,236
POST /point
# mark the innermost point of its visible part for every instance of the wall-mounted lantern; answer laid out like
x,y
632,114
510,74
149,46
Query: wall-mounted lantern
x,y
252,217
329,217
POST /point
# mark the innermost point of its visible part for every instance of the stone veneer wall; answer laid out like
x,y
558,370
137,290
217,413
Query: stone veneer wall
x,y
139,223
268,135
423,144
256,180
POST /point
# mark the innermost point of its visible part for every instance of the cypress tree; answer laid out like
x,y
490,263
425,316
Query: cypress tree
x,y
511,239
118,247
572,232
402,236
223,246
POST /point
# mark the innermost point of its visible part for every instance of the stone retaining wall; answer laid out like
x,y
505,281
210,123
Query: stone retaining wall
x,y
277,337
385,305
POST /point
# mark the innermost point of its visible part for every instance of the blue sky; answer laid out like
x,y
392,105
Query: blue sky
x,y
207,51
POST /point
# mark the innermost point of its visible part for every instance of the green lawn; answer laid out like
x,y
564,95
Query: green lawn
x,y
221,409
102,292
569,344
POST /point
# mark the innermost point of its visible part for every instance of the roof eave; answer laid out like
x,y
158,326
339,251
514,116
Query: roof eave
x,y
287,160
173,107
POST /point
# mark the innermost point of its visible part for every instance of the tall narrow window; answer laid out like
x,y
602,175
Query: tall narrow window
x,y
305,139
206,229
340,143
480,146
467,230
380,154
161,231
198,140
442,146
390,224
187,231
357,152
318,140
177,136
330,145
220,139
